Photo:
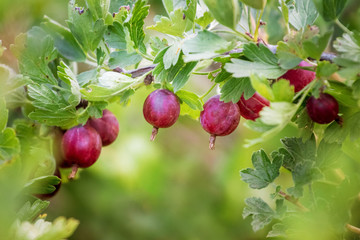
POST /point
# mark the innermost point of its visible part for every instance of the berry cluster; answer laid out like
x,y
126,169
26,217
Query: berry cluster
x,y
162,108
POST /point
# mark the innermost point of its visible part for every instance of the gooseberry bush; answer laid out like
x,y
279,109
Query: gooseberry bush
x,y
64,123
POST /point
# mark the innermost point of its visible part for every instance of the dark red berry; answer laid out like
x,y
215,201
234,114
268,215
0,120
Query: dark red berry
x,y
324,109
299,78
161,109
250,108
57,187
219,118
81,147
107,126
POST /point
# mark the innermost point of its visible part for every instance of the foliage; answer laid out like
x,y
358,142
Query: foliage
x,y
226,36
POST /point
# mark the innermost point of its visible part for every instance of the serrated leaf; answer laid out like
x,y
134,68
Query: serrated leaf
x,y
349,46
325,69
191,99
304,13
262,86
87,31
123,59
299,150
204,45
328,154
9,144
176,25
283,91
51,108
234,88
186,110
260,54
316,45
342,93
65,74
35,50
29,211
204,20
260,211
330,10
225,12
115,36
264,172
110,85
278,230
41,185
288,58
279,113
98,8
64,41
136,23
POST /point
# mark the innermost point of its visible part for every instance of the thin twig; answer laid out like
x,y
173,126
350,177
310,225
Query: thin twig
x,y
353,229
294,201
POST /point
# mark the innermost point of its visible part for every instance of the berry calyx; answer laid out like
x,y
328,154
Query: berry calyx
x,y
81,147
107,126
324,109
219,118
299,78
161,109
250,108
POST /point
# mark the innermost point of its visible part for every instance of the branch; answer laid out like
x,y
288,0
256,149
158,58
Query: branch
x,y
141,71
353,229
294,201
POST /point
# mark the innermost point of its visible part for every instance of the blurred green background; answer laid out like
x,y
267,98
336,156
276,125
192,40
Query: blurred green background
x,y
173,188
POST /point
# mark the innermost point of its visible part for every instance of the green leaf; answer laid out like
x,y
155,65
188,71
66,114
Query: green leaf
x,y
98,8
278,230
175,25
123,59
316,45
41,185
9,144
222,76
260,211
279,113
204,20
225,12
264,172
64,41
65,74
349,46
82,25
183,76
190,10
59,229
35,50
257,4
204,45
330,10
264,62
325,69
28,212
342,93
136,23
304,13
234,88
115,36
171,55
283,91
299,150
110,84
51,108
288,58
328,155
262,86
241,68
4,113
191,99
186,110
